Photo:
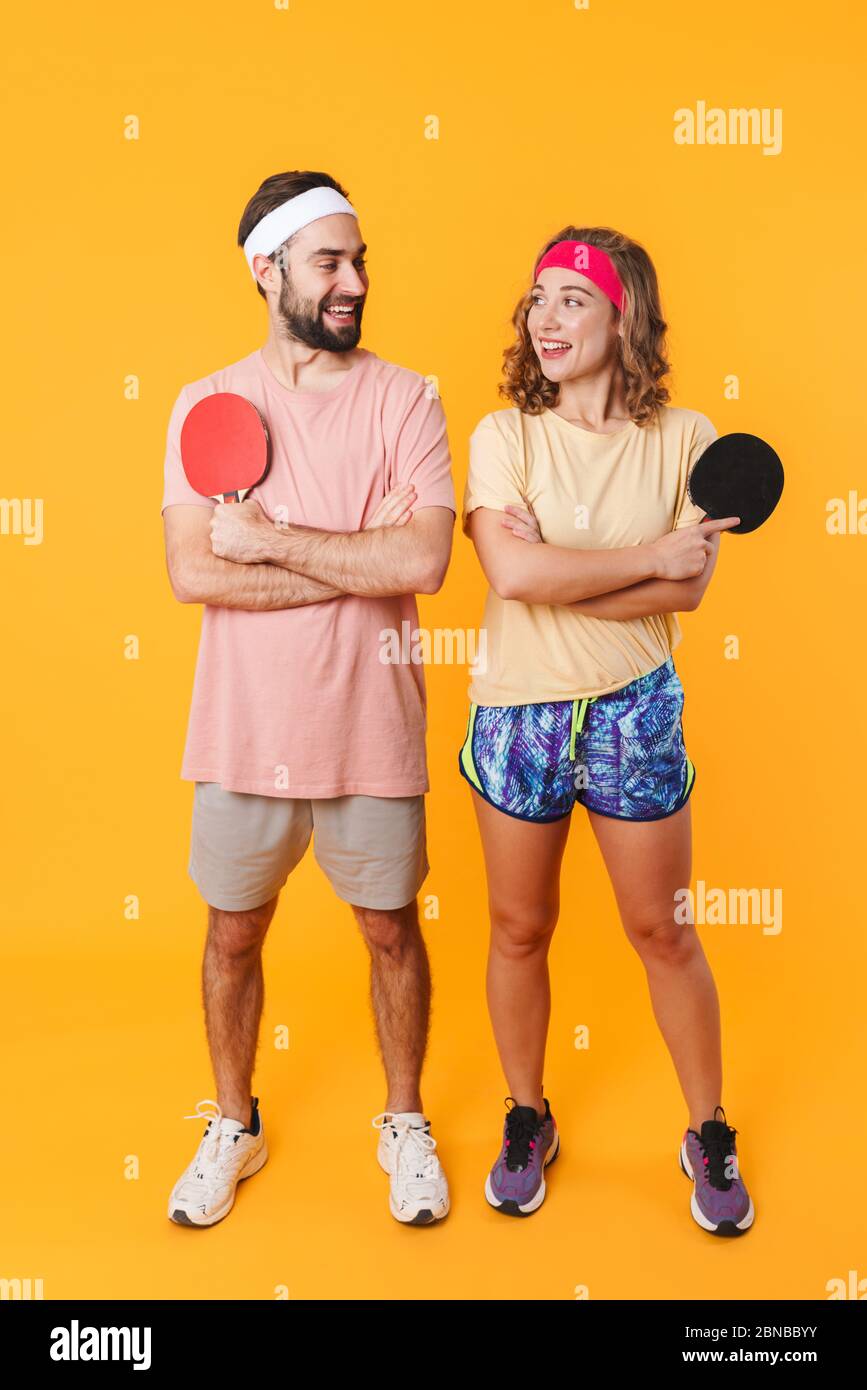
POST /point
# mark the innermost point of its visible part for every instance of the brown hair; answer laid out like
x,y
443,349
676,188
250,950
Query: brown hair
x,y
277,189
643,350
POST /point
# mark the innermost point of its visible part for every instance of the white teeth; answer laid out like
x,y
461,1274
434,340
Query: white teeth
x,y
550,344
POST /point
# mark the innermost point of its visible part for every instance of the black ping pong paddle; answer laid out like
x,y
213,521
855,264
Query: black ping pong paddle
x,y
737,475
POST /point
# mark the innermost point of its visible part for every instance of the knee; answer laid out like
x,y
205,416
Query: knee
x,y
388,933
660,938
518,931
239,934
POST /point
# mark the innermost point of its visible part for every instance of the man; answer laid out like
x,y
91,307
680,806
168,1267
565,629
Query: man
x,y
297,727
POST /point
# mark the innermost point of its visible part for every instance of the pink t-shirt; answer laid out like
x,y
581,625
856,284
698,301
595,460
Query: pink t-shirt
x,y
296,702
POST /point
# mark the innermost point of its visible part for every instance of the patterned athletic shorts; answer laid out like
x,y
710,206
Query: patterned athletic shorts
x,y
621,755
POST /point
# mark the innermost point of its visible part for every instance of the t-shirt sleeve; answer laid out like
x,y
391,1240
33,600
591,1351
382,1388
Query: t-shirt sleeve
x,y
703,434
175,485
495,477
421,454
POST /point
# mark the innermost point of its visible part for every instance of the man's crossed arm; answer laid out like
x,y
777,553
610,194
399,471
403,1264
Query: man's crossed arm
x,y
233,557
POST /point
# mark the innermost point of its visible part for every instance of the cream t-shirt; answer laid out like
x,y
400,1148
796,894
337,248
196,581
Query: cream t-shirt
x,y
589,491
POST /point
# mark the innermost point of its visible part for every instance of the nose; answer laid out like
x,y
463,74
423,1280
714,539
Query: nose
x,y
352,283
549,319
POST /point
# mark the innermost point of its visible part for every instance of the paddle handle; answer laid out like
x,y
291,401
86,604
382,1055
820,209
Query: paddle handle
x,y
231,496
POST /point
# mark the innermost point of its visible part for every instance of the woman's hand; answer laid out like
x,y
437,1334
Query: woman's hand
x,y
683,554
521,521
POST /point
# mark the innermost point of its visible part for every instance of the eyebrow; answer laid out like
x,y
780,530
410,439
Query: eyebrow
x,y
335,251
585,288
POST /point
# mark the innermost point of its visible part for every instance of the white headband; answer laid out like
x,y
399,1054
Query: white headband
x,y
289,217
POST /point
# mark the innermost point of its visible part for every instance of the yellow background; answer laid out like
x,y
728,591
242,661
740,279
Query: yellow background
x,y
119,259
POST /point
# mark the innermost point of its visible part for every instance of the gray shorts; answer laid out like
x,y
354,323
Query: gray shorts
x,y
245,846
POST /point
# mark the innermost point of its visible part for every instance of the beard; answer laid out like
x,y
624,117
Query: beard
x,y
305,321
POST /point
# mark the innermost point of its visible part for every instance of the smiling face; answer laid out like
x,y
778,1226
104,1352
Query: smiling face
x,y
325,284
572,324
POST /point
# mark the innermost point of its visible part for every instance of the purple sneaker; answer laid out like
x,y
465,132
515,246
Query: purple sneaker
x,y
516,1183
719,1203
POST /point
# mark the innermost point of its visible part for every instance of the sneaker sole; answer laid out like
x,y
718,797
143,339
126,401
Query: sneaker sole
x,y
512,1208
725,1228
423,1217
182,1218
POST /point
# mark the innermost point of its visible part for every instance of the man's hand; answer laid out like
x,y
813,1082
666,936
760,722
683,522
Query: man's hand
x,y
241,531
199,576
521,521
395,509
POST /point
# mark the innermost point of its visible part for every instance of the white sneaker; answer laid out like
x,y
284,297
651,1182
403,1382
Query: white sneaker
x,y
228,1152
419,1193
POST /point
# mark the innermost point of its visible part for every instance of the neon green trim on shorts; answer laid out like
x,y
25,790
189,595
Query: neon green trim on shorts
x,y
467,751
690,773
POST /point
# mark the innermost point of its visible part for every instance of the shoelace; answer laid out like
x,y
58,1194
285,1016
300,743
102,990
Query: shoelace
x,y
209,1150
717,1150
415,1148
520,1135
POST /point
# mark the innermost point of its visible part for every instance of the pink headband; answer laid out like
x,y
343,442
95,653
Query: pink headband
x,y
588,260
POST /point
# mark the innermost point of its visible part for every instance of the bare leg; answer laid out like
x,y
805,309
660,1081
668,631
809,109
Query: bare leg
x,y
233,992
522,861
647,862
400,992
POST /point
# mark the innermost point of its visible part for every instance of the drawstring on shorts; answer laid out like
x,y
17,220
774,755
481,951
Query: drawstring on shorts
x,y
579,709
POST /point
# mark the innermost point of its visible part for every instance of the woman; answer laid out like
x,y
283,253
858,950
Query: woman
x,y
577,506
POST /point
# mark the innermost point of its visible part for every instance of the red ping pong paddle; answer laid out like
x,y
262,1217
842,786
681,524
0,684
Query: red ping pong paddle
x,y
225,446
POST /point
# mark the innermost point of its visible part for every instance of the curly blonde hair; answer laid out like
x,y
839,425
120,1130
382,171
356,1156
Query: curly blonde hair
x,y
643,349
